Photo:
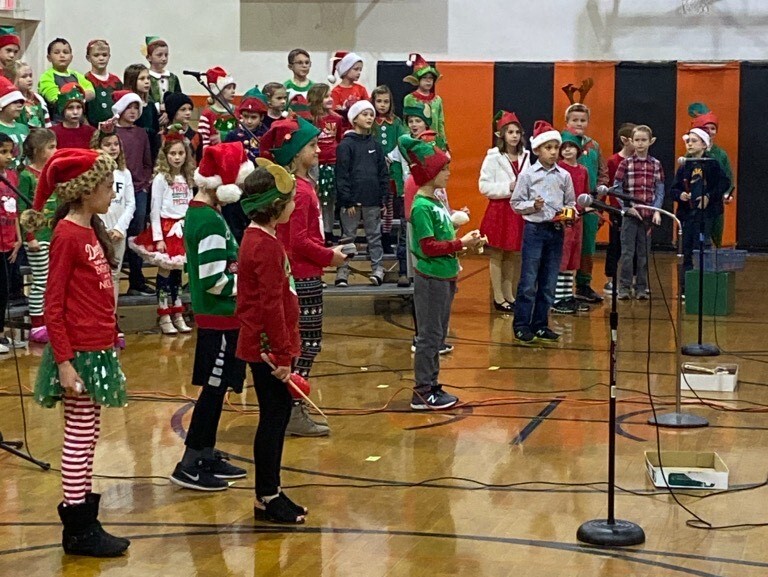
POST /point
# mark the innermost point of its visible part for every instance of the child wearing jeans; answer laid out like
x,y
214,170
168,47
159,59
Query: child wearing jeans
x,y
434,246
362,184
540,195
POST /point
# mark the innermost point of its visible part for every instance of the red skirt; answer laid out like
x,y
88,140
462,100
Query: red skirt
x,y
502,225
174,257
571,259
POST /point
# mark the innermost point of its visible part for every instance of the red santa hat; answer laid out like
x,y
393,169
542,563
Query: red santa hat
x,y
9,93
72,172
218,78
341,63
542,133
222,168
123,99
701,133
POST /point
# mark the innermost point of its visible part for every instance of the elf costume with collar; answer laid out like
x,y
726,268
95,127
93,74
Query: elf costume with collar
x,y
386,131
420,69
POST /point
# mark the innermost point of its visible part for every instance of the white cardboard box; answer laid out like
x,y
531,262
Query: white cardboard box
x,y
713,377
687,470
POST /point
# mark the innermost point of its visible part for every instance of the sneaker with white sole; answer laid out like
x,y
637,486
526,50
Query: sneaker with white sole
x,y
222,468
436,399
4,350
198,477
302,425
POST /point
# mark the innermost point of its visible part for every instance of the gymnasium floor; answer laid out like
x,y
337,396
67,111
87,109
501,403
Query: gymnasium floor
x,y
496,487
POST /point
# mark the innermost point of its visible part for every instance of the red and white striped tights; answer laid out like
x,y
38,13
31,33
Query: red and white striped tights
x,y
82,424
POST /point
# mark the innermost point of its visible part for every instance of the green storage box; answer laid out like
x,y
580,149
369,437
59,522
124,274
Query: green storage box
x,y
719,293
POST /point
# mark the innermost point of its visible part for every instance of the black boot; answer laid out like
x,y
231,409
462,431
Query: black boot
x,y
386,243
83,535
95,499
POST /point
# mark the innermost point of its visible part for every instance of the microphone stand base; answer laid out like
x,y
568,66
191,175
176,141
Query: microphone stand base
x,y
679,421
701,350
617,534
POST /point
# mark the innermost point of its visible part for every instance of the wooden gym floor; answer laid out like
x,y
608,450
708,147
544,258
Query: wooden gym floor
x,y
496,487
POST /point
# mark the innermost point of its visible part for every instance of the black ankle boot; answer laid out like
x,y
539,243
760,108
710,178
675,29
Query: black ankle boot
x,y
83,535
95,499
386,243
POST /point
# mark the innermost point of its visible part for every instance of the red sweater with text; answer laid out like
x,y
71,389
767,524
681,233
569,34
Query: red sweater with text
x,y
267,305
79,297
302,235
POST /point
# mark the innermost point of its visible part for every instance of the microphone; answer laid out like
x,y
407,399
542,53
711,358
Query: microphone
x,y
683,159
586,200
604,190
193,73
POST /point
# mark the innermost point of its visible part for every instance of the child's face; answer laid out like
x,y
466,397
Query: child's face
x,y
47,151
99,57
24,80
300,67
641,141
382,103
111,145
13,110
512,135
328,102
569,152
100,199
416,125
183,115
142,82
287,211
228,92
131,114
353,75
308,155
251,120
364,120
711,127
695,145
577,123
6,155
176,155
73,112
279,100
427,83
441,180
8,54
548,152
158,60
60,56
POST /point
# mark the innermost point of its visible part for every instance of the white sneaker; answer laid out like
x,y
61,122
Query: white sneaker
x,y
4,350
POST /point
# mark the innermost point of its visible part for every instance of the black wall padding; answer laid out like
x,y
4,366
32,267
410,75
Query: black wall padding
x,y
525,88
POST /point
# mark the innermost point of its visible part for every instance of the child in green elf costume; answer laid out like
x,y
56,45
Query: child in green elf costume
x,y
424,77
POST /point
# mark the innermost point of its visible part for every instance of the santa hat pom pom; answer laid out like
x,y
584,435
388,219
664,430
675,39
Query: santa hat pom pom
x,y
245,169
459,218
411,59
285,114
228,193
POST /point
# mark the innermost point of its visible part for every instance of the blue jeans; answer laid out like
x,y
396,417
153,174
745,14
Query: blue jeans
x,y
541,254
138,224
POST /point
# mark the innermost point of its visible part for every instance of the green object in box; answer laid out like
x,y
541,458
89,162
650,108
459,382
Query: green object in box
x,y
719,293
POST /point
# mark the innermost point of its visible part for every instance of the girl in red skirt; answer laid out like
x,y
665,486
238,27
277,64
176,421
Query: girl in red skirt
x,y
501,225
163,243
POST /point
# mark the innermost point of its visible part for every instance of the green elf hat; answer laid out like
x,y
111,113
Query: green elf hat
x,y
420,68
253,101
299,106
256,93
285,138
70,92
8,36
421,110
426,161
701,115
150,43
570,138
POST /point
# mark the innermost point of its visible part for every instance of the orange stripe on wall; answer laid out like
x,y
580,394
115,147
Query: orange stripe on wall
x,y
717,86
600,100
467,92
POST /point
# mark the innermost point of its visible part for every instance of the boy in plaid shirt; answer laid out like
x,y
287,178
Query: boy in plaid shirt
x,y
642,177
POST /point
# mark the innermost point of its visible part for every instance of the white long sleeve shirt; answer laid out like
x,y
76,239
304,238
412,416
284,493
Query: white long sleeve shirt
x,y
168,201
123,205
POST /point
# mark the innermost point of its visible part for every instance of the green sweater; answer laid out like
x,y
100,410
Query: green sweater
x,y
27,186
436,106
430,218
592,159
51,81
212,266
386,134
725,163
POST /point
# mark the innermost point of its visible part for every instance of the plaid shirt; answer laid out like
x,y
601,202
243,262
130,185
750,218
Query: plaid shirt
x,y
641,177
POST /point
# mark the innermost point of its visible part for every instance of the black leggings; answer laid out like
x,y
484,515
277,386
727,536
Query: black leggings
x,y
5,271
274,414
205,418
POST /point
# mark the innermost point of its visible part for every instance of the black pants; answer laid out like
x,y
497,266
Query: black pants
x,y
274,414
5,270
205,418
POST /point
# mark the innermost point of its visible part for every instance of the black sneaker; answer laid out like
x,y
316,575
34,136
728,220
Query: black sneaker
x,y
198,477
563,307
445,348
547,334
436,399
585,293
580,306
524,336
223,469
143,291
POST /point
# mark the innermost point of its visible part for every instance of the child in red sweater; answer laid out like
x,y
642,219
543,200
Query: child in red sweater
x,y
268,310
80,365
72,132
347,68
293,143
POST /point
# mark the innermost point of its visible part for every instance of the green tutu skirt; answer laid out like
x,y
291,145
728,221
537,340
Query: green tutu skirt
x,y
100,372
326,183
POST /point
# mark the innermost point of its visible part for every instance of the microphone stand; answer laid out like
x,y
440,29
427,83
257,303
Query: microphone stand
x,y
13,447
612,532
677,419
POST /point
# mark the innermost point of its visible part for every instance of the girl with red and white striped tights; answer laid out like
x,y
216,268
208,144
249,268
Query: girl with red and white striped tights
x,y
80,365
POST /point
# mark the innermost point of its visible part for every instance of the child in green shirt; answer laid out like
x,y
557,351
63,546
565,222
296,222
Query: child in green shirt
x,y
59,54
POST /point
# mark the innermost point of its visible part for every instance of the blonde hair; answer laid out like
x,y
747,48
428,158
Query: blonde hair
x,y
577,107
187,169
642,128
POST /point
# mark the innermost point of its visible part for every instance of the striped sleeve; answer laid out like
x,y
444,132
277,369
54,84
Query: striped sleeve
x,y
204,127
214,271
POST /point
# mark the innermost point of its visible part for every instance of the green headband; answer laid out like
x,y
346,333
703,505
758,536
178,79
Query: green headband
x,y
254,202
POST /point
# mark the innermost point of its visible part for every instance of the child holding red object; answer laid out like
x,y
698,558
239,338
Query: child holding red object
x,y
501,225
80,365
268,309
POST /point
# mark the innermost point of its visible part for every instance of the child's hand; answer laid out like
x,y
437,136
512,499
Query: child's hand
x,y
339,258
115,235
538,204
685,196
656,218
69,378
728,199
163,120
350,211
215,138
14,252
472,240
33,245
633,213
160,246
282,373
465,209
